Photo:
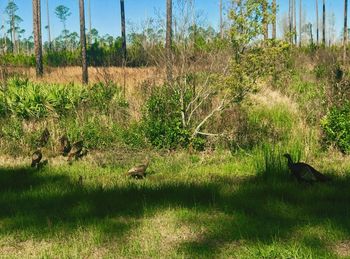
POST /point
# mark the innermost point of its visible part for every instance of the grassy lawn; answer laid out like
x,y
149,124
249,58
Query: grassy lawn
x,y
190,206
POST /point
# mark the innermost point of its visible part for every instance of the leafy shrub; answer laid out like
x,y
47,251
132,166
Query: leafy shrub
x,y
133,135
162,120
336,126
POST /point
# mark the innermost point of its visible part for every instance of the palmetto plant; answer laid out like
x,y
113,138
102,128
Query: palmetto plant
x,y
31,100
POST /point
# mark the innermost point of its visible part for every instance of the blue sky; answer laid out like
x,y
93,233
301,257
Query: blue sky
x,y
106,19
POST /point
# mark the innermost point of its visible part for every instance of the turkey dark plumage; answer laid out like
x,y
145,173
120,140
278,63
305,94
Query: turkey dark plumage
x,y
65,145
76,150
304,172
36,158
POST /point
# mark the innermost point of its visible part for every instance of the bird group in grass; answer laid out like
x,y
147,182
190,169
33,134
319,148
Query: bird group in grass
x,y
73,152
301,171
76,151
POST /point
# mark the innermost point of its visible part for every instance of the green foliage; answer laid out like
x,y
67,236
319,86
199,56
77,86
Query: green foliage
x,y
18,60
162,120
247,17
261,124
11,129
336,126
255,64
270,162
62,58
105,96
97,114
133,135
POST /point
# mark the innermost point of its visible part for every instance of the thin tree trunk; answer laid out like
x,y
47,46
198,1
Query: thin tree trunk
x,y
274,19
122,15
4,33
317,25
89,13
300,21
48,23
83,43
345,42
168,41
221,21
324,23
295,21
37,37
13,34
290,19
265,20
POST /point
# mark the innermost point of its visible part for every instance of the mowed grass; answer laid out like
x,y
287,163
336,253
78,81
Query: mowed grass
x,y
189,206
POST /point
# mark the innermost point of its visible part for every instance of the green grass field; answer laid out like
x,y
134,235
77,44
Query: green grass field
x,y
189,206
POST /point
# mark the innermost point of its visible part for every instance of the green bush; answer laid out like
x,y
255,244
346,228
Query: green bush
x,y
336,126
162,120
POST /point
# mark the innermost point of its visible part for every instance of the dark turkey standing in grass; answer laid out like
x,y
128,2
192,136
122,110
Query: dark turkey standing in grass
x,y
75,151
36,158
44,138
304,172
65,145
139,172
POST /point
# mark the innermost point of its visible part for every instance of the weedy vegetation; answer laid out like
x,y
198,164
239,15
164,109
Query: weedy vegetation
x,y
215,131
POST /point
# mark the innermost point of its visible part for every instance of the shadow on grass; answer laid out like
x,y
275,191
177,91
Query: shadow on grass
x,y
255,210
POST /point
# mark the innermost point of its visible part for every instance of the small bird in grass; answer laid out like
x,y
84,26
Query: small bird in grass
x,y
65,146
44,138
75,151
139,171
304,172
36,158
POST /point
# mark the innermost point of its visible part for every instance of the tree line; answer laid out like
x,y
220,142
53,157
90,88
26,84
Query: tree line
x,y
90,46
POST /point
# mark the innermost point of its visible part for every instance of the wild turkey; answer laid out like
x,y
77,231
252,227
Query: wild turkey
x,y
304,172
44,138
36,158
139,172
65,145
42,164
75,151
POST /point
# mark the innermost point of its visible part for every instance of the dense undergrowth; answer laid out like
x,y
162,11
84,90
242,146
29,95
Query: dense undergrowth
x,y
301,110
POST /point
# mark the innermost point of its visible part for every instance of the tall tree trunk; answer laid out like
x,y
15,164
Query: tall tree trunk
x,y
89,13
122,15
83,43
274,19
37,37
13,34
48,23
265,20
4,34
345,41
221,21
300,21
317,25
324,23
168,41
295,21
290,20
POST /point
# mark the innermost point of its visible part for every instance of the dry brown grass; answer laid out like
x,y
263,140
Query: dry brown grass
x,y
131,76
